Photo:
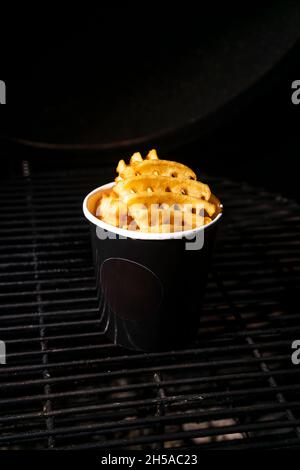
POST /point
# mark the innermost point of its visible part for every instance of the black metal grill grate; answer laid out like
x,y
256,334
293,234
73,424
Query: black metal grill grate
x,y
66,386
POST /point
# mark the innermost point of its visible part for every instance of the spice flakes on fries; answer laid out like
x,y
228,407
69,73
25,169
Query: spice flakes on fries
x,y
157,196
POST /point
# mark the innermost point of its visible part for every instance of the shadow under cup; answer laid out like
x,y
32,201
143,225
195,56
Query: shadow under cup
x,y
150,290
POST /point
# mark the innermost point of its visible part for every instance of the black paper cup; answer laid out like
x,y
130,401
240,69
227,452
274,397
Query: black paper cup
x,y
150,286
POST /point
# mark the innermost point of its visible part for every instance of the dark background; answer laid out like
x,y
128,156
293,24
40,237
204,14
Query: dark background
x,y
48,52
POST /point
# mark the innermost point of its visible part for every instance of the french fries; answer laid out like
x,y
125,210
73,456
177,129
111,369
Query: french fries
x,y
158,196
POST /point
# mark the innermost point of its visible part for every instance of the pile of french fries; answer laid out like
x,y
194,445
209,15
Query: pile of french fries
x,y
156,196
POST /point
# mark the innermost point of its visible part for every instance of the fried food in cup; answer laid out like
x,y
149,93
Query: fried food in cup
x,y
158,196
162,184
152,165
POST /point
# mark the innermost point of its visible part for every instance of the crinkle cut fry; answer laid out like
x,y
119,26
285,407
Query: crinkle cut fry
x,y
117,213
179,220
151,181
154,167
187,202
162,184
112,210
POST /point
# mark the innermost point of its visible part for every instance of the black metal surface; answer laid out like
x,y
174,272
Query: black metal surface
x,y
66,386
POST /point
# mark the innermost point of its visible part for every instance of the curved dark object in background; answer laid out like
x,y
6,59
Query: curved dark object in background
x,y
124,82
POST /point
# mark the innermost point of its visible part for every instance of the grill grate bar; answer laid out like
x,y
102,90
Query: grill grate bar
x,y
48,314
225,338
22,256
44,236
250,346
91,429
116,443
61,338
71,280
70,290
49,303
249,444
163,382
187,416
178,400
211,363
51,325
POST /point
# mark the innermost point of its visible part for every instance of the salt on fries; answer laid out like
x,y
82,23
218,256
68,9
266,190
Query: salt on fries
x,y
153,195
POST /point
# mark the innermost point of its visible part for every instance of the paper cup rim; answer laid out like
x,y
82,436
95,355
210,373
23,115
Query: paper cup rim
x,y
135,234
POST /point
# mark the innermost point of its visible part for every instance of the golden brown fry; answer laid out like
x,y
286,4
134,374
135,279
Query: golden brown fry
x,y
153,167
112,211
151,220
185,203
160,184
157,196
